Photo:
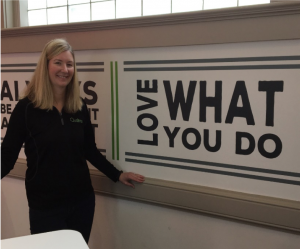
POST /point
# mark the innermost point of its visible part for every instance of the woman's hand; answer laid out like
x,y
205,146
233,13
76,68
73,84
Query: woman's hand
x,y
128,177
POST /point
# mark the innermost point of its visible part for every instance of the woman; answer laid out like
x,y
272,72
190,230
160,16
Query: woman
x,y
53,122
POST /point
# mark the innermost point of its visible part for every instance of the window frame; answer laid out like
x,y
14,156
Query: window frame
x,y
115,2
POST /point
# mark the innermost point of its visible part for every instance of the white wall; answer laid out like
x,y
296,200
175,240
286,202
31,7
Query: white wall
x,y
14,208
123,224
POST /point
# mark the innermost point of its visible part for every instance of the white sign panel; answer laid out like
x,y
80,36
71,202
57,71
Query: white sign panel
x,y
223,116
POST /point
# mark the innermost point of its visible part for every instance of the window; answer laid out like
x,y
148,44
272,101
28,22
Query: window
x,y
156,7
128,8
42,12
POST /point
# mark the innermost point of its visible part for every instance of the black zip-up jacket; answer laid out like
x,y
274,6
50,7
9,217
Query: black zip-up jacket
x,y
57,146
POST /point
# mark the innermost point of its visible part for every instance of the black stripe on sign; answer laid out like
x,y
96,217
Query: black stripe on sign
x,y
220,165
17,70
90,70
215,60
216,68
100,63
219,172
19,65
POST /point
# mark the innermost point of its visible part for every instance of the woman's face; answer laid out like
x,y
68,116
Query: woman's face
x,y
61,69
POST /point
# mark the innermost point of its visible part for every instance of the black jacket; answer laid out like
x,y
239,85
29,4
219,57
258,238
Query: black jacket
x,y
57,147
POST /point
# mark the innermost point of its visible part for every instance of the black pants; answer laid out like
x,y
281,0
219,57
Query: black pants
x,y
78,217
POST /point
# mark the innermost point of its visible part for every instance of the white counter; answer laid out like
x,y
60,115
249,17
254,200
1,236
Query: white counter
x,y
63,239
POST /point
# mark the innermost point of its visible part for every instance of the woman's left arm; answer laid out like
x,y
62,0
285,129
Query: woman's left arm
x,y
94,156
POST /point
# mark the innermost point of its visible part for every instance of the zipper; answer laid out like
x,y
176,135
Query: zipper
x,y
60,114
61,118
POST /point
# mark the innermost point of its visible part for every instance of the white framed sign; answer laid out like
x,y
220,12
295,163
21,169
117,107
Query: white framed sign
x,y
223,116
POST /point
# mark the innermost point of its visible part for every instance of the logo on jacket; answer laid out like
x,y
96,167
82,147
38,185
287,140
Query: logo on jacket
x,y
76,120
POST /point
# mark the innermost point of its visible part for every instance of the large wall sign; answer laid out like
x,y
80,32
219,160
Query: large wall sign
x,y
225,116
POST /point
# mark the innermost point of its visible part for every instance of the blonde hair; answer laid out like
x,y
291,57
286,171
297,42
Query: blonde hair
x,y
39,89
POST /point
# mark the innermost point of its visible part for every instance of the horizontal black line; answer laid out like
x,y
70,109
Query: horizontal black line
x,y
220,165
100,63
17,70
214,60
90,70
32,70
19,65
246,67
219,172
